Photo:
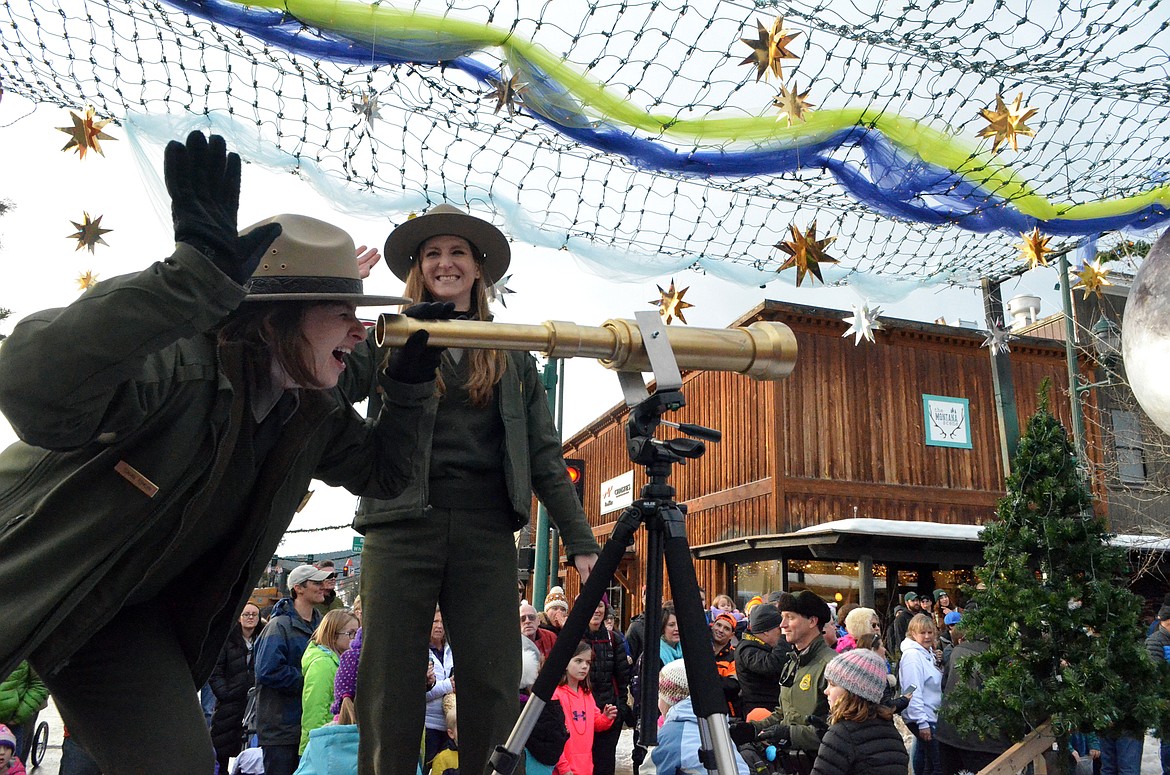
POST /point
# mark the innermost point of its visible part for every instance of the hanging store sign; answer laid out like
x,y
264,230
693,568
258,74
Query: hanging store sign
x,y
617,493
947,421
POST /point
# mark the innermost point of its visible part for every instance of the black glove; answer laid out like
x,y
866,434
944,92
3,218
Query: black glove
x,y
778,735
203,180
899,703
819,725
742,732
626,714
414,362
431,310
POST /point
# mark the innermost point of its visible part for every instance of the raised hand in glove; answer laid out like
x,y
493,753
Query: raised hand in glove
x,y
741,732
415,361
203,180
778,735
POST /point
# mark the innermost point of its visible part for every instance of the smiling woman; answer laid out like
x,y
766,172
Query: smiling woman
x,y
183,427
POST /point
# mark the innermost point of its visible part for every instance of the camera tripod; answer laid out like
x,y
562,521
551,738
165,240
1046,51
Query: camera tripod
x,y
666,539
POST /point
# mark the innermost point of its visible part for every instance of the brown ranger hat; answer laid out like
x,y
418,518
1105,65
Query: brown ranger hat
x,y
403,242
310,261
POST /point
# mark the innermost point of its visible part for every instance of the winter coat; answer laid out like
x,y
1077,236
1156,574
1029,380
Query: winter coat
x,y
547,740
872,747
609,673
533,458
15,767
279,680
946,732
916,668
636,636
757,667
582,719
1158,645
845,643
677,752
21,695
121,431
728,681
804,697
319,668
897,631
345,684
443,686
230,680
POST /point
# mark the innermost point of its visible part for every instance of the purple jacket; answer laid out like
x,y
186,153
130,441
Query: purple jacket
x,y
345,684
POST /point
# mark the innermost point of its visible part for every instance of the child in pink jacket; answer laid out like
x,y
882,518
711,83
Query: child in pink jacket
x,y
582,718
9,764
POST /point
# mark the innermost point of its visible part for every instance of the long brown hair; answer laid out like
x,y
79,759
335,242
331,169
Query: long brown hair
x,y
268,331
486,366
854,707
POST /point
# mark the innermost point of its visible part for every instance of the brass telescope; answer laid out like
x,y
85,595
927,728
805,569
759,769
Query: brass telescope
x,y
763,350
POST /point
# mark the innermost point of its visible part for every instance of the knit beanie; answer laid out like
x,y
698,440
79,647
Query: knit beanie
x,y
764,617
861,672
751,604
857,621
940,593
9,739
726,618
555,599
672,683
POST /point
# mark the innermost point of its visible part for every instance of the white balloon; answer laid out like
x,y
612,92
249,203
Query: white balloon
x,y
1145,334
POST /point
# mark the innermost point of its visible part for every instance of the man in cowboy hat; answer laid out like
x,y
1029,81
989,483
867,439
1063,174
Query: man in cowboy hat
x,y
449,539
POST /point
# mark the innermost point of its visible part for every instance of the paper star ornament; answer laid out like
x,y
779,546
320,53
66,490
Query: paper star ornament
x,y
862,323
368,108
86,133
1092,278
1005,123
1034,249
507,92
997,338
670,303
792,103
500,290
86,280
89,233
806,253
769,48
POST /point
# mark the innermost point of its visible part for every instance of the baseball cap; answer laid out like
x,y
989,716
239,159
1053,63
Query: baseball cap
x,y
302,573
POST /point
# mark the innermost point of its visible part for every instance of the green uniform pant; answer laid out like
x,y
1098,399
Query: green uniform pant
x,y
464,560
128,697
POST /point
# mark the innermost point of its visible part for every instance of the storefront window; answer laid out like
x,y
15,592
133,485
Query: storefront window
x,y
833,582
756,578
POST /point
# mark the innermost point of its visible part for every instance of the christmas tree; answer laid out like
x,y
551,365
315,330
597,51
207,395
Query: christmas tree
x,y
1064,636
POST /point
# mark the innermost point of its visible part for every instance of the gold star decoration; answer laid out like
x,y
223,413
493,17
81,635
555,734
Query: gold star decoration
x,y
89,233
862,323
670,304
1034,248
1005,124
770,48
1092,278
368,108
792,103
507,92
86,280
85,133
806,253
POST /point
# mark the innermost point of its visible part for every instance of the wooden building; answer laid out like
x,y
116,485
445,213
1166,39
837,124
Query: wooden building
x,y
863,474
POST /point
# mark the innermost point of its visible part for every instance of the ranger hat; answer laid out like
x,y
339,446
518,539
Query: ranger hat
x,y
311,260
490,244
302,573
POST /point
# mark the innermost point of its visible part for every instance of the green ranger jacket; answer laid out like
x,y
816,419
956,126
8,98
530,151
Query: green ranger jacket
x,y
128,412
804,697
532,447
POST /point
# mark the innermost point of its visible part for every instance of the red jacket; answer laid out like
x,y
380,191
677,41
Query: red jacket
x,y
582,718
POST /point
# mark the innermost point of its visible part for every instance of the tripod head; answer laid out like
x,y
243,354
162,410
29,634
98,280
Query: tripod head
x,y
645,417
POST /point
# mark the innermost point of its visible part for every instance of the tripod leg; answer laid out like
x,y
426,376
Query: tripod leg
x,y
710,706
504,759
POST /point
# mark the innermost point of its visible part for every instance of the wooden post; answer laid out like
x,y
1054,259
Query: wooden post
x,y
1030,750
865,593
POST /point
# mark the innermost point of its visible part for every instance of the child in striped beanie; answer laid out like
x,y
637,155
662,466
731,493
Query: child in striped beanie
x,y
861,739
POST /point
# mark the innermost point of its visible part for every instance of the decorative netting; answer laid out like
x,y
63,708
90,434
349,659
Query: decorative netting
x,y
630,134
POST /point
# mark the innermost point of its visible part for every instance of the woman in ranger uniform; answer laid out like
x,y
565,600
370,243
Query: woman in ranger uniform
x,y
170,423
449,538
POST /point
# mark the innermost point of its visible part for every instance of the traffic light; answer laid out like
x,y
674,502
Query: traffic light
x,y
576,470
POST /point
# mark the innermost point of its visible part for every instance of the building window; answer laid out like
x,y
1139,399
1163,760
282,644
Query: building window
x,y
1128,448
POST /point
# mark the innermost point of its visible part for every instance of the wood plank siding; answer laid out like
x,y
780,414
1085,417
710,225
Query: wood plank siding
x,y
842,437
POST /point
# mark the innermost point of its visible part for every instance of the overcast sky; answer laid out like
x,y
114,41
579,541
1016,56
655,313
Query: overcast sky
x,y
39,267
